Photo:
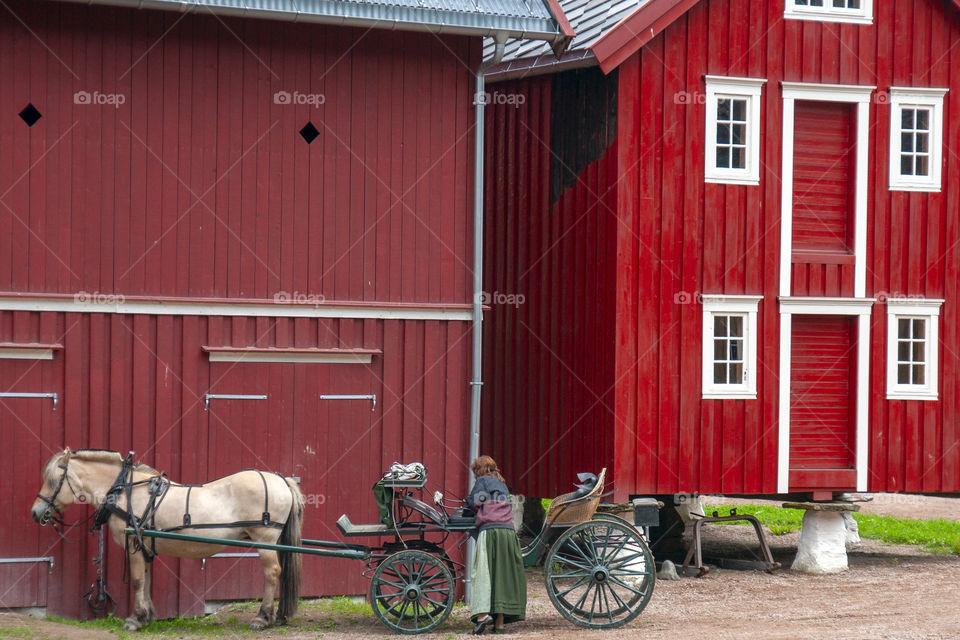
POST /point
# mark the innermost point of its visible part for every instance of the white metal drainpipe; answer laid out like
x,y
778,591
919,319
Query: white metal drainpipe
x,y
476,383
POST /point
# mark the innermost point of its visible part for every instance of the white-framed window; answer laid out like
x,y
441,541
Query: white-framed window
x,y
730,346
733,130
912,348
916,139
853,11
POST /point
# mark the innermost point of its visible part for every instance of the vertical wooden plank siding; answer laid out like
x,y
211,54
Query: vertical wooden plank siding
x,y
733,232
199,185
548,408
678,237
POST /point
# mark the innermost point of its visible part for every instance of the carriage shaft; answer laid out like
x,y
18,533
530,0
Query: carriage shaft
x,y
358,553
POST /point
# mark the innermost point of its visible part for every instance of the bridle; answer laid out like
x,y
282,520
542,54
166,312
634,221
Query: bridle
x,y
54,515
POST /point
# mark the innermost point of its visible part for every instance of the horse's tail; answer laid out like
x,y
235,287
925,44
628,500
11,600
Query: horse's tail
x,y
290,563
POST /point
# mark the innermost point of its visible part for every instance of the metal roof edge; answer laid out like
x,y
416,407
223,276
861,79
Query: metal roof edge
x,y
541,65
429,20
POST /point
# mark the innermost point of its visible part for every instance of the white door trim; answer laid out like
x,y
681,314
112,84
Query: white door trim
x,y
862,308
856,94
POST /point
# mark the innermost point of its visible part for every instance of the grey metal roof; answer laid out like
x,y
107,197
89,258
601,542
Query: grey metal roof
x,y
515,18
590,19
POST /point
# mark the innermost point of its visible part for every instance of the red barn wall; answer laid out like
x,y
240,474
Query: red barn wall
x,y
684,237
548,352
199,186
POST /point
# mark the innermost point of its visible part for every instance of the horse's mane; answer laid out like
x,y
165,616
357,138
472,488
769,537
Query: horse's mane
x,y
104,455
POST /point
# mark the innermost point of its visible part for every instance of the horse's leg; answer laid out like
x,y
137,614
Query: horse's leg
x,y
271,575
141,610
148,591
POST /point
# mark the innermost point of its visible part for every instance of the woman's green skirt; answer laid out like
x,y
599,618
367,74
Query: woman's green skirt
x,y
498,582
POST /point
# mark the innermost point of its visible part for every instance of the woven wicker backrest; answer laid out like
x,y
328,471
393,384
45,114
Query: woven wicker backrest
x,y
566,509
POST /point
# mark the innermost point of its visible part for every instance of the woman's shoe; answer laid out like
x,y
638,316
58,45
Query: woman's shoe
x,y
482,625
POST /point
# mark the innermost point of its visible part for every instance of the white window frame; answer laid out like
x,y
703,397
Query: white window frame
x,y
748,89
913,96
860,95
925,309
746,306
827,13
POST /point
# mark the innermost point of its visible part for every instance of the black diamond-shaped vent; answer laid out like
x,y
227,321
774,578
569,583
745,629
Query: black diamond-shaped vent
x,y
30,115
309,132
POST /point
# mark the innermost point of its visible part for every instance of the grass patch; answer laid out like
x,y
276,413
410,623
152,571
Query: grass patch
x,y
936,536
17,633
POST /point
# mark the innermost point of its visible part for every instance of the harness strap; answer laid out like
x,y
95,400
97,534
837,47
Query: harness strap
x,y
186,511
266,499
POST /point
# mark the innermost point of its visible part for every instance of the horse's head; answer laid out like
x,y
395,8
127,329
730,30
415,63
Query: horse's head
x,y
57,491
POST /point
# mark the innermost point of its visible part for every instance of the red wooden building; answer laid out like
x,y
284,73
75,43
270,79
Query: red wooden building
x,y
730,230
214,225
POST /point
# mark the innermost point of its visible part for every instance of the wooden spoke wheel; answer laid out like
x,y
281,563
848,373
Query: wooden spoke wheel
x,y
600,574
412,592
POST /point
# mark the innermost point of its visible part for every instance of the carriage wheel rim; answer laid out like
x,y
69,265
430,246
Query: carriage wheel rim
x,y
600,573
412,592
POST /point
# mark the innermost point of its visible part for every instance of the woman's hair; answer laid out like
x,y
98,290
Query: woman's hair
x,y
485,466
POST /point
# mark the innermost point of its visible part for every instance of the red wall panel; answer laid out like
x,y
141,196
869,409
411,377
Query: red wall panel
x,y
548,407
138,382
199,183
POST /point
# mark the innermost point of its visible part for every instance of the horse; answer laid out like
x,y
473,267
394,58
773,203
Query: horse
x,y
250,505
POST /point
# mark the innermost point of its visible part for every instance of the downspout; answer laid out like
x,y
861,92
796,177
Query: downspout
x,y
476,382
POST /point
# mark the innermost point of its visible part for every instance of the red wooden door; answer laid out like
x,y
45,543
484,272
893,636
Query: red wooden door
x,y
824,160
822,403
246,432
26,425
336,436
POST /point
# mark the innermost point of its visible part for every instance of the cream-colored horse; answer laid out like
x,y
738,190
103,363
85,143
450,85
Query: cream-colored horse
x,y
243,501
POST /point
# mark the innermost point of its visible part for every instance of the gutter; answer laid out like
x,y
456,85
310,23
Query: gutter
x,y
476,382
421,20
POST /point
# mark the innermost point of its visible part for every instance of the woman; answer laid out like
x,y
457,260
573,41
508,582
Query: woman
x,y
498,591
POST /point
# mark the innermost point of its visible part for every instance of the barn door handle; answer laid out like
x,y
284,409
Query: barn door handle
x,y
47,559
229,396
17,394
371,397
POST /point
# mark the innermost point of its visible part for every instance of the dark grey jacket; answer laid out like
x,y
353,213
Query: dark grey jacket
x,y
490,488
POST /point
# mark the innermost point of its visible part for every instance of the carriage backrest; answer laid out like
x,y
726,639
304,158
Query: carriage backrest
x,y
569,509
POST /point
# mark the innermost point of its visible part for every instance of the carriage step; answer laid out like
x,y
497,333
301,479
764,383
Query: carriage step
x,y
350,529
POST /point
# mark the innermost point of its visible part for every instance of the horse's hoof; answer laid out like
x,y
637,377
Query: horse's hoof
x,y
258,624
131,625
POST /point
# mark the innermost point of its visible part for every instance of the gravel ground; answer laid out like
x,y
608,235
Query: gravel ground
x,y
890,591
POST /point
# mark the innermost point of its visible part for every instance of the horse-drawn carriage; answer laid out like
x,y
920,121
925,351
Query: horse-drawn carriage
x,y
598,569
